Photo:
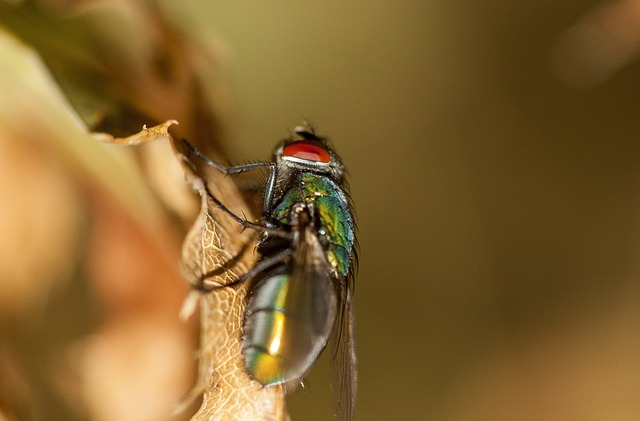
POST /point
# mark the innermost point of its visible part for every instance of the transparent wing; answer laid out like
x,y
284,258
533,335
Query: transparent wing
x,y
291,315
345,375
311,306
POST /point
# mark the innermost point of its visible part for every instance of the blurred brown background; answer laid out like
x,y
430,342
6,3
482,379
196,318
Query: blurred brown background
x,y
494,160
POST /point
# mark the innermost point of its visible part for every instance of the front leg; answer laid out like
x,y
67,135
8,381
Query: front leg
x,y
234,169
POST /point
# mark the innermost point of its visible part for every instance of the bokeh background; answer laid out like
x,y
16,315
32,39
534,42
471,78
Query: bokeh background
x,y
494,161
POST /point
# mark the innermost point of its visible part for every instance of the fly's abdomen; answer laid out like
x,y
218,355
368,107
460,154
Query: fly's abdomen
x,y
264,331
288,320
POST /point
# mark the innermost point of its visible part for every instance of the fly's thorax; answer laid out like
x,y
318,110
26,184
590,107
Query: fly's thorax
x,y
329,216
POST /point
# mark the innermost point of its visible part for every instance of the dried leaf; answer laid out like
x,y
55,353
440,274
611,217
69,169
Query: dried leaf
x,y
14,392
218,251
135,369
32,109
161,131
38,224
122,64
216,247
139,362
163,172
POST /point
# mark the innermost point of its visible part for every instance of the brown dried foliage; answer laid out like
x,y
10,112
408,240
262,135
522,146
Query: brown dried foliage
x,y
122,65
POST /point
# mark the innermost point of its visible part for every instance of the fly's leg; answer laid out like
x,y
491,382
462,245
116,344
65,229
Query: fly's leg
x,y
187,151
191,150
234,169
256,269
244,222
237,169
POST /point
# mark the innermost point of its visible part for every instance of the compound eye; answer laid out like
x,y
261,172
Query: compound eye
x,y
308,150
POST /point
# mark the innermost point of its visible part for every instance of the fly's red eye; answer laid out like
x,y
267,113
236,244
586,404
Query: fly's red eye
x,y
307,150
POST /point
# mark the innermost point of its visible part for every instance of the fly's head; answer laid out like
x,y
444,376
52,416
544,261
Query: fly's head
x,y
309,152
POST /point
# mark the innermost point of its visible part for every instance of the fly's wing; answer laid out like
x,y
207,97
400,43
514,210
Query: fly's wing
x,y
345,375
310,305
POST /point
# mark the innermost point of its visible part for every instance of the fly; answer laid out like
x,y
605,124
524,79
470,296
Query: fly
x,y
300,291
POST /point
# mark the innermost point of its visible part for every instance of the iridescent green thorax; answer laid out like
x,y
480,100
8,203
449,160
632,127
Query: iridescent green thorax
x,y
331,208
